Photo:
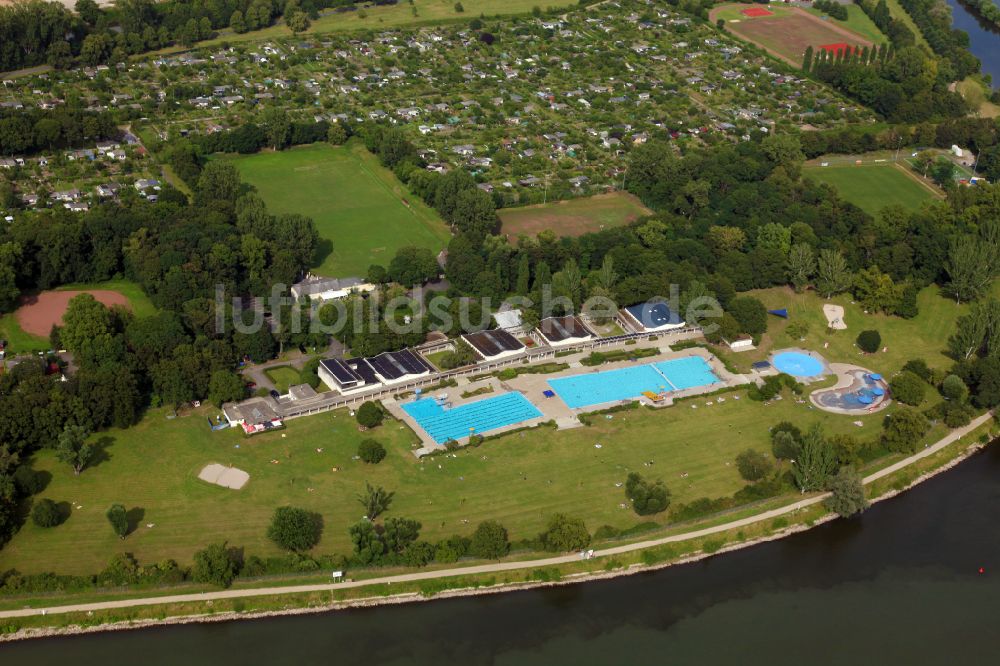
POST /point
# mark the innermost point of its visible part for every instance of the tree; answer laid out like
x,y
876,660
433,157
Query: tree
x,y
647,497
369,414
219,182
46,513
10,259
368,546
297,21
908,388
869,341
801,265
118,517
376,500
85,319
750,313
973,262
237,23
876,291
225,386
400,533
336,135
489,541
295,529
848,493
413,265
816,461
371,451
954,389
832,274
277,126
73,447
216,565
459,8
564,534
785,441
902,430
753,465
807,59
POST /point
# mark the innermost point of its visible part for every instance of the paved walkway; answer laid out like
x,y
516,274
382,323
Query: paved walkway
x,y
498,567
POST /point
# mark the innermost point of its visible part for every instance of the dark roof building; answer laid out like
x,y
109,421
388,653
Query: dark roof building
x,y
494,344
561,331
652,316
365,372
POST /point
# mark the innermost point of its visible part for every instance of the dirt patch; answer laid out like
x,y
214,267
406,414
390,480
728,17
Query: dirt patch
x,y
227,477
38,314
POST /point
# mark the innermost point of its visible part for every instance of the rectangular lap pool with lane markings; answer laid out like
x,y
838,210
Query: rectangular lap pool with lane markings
x,y
443,423
630,383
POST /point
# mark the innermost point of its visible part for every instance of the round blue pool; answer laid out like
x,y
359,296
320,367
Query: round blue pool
x,y
797,364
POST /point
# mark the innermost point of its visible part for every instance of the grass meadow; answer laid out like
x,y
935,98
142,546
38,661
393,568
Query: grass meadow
x,y
361,210
573,217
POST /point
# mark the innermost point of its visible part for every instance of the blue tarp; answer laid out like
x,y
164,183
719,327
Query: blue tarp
x,y
781,312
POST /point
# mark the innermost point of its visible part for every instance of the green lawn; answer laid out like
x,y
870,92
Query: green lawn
x,y
897,12
362,212
872,188
519,479
283,376
925,336
20,341
857,21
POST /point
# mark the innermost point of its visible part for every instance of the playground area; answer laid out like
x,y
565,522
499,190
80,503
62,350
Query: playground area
x,y
858,391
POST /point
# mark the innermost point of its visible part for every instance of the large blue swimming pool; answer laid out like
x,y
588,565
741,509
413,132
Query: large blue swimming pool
x,y
444,423
798,364
630,383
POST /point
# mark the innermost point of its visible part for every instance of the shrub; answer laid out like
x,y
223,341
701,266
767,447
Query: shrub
x,y
785,441
28,481
295,529
647,497
908,388
919,367
46,513
753,465
869,341
903,429
371,451
369,414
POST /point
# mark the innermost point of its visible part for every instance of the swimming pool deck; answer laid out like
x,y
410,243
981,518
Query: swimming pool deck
x,y
554,409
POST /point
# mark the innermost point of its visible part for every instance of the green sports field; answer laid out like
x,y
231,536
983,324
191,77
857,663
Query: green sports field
x,y
872,188
361,210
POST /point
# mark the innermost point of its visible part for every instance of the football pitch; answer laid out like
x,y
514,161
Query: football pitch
x,y
872,188
362,212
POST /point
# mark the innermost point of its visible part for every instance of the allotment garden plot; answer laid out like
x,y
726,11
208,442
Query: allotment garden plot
x,y
362,212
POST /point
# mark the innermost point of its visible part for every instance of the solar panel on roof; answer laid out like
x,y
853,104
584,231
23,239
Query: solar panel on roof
x,y
341,372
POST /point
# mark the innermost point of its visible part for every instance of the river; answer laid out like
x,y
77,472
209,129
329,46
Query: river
x,y
984,38
899,585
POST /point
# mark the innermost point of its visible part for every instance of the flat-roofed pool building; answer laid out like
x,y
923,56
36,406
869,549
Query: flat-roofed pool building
x,y
494,344
329,289
355,374
652,317
563,331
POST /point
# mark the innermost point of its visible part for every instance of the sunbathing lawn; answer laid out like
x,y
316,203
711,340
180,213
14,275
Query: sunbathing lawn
x,y
519,479
872,188
362,212
925,336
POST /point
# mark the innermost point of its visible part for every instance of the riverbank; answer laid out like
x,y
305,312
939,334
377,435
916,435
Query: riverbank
x,y
649,555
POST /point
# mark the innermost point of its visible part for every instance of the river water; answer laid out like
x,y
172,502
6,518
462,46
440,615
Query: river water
x,y
899,585
984,38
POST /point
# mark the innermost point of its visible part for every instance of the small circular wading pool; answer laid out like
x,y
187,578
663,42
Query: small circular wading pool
x,y
797,364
